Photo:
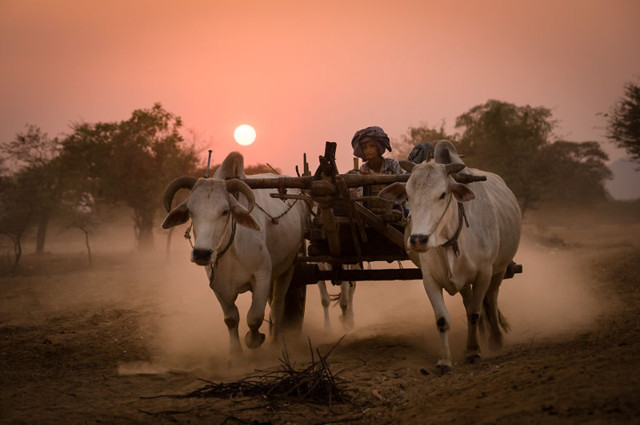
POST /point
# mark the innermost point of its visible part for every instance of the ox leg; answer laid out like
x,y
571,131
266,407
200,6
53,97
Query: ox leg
x,y
497,322
255,316
472,353
231,319
473,297
281,285
346,304
326,302
434,292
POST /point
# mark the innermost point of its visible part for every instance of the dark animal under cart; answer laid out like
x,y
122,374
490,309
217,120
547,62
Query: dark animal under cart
x,y
344,229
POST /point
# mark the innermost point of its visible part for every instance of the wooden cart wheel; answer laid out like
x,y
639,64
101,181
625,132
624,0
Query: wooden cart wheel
x,y
294,303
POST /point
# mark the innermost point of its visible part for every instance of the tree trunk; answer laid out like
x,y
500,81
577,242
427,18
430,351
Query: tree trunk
x,y
17,249
86,242
144,229
43,223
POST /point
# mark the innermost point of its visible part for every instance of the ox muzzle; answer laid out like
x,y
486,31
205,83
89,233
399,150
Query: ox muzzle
x,y
418,242
201,257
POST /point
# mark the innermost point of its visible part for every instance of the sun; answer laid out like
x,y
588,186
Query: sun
x,y
244,134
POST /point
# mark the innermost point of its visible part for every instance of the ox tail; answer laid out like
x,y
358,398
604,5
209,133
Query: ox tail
x,y
340,298
504,323
489,320
493,323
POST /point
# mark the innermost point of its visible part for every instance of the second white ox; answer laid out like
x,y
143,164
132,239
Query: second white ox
x,y
242,248
471,260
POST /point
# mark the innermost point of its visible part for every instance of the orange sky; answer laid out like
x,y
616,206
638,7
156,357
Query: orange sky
x,y
303,72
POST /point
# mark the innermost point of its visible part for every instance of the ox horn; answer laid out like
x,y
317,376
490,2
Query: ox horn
x,y
184,182
468,178
454,167
235,185
407,165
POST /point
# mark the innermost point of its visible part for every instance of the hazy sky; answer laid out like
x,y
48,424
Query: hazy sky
x,y
303,72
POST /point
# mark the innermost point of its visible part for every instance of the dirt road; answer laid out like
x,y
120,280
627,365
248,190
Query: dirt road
x,y
110,343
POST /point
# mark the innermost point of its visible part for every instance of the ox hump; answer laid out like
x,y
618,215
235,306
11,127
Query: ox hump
x,y
231,167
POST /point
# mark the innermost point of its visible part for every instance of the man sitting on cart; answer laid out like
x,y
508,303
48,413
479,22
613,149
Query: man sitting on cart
x,y
369,144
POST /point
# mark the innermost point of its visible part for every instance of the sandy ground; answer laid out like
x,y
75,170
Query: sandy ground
x,y
112,342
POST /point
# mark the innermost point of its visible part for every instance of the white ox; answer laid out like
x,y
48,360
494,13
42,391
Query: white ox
x,y
243,248
436,231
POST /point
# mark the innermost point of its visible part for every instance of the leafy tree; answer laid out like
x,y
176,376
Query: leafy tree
x,y
36,156
17,209
507,139
575,172
624,121
132,161
515,143
416,135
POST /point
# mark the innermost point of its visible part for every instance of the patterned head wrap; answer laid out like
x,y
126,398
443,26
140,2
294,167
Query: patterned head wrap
x,y
370,134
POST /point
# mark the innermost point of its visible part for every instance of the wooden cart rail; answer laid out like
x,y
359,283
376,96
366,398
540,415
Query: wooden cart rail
x,y
311,182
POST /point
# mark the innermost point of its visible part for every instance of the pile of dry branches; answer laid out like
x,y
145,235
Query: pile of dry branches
x,y
315,383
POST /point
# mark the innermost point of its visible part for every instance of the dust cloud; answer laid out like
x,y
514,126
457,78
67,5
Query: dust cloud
x,y
553,296
182,322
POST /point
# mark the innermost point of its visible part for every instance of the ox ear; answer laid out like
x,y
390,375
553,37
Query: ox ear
x,y
462,192
395,192
241,215
178,215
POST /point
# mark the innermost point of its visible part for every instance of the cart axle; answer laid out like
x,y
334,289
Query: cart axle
x,y
309,274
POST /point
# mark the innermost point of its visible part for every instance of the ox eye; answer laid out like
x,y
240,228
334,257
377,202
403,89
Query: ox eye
x,y
443,195
225,212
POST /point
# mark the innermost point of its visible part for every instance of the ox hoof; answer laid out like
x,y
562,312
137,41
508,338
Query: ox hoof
x,y
254,341
234,360
474,358
443,369
347,323
495,341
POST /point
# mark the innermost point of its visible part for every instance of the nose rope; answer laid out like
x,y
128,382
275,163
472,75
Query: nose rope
x,y
231,238
443,212
187,236
224,250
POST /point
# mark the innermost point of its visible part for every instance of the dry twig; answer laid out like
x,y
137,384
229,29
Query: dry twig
x,y
315,383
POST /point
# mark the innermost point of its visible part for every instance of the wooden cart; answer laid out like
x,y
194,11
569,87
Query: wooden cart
x,y
344,229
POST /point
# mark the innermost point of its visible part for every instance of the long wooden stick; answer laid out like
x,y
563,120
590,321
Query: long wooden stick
x,y
304,182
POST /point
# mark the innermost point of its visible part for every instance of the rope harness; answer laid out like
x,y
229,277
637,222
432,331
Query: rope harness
x,y
453,241
462,216
275,220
